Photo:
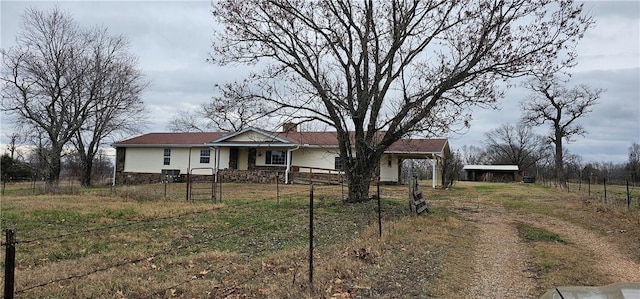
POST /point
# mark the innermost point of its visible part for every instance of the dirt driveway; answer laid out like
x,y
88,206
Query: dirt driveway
x,y
501,267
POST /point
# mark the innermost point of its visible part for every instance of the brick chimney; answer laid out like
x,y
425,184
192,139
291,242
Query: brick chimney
x,y
289,127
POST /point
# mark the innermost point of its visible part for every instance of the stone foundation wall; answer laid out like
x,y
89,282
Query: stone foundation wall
x,y
261,176
136,178
265,176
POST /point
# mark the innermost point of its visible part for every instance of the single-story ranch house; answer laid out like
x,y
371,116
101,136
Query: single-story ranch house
x,y
254,155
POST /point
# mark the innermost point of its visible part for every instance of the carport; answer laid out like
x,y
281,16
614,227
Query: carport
x,y
492,173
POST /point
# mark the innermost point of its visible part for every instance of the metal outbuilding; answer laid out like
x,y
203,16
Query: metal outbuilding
x,y
492,173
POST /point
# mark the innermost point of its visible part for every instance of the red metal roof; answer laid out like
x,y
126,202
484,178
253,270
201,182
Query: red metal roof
x,y
331,139
419,145
328,139
190,138
311,138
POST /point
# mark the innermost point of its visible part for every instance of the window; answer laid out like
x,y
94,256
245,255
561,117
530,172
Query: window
x,y
167,156
205,156
276,157
337,163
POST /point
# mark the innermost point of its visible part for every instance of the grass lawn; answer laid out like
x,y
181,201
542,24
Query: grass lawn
x,y
140,242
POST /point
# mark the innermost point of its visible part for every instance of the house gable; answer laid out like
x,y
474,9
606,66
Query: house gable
x,y
250,136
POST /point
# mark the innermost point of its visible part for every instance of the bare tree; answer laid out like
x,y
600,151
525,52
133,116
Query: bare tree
x,y
633,165
561,106
41,77
59,80
113,85
515,145
573,166
377,71
233,111
230,112
451,167
187,121
15,139
471,154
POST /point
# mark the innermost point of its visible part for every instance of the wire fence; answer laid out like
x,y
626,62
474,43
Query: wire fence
x,y
612,193
203,241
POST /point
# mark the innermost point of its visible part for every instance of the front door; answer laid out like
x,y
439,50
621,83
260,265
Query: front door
x,y
233,158
252,158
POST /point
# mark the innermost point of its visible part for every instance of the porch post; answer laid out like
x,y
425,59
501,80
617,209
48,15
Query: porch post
x,y
289,159
433,172
286,172
217,149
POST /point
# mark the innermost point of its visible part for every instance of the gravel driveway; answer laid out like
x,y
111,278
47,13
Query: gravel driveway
x,y
500,262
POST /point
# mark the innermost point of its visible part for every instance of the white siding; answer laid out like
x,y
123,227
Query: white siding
x,y
319,158
389,173
151,160
146,160
224,158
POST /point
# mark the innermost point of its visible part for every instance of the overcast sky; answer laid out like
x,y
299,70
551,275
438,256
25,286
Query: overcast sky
x,y
172,40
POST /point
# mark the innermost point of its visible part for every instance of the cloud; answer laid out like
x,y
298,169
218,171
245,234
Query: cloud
x,y
614,42
629,9
173,40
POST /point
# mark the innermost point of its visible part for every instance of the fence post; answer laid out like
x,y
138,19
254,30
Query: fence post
x,y
188,185
604,181
220,188
379,212
9,264
342,186
277,187
580,184
628,196
214,185
311,239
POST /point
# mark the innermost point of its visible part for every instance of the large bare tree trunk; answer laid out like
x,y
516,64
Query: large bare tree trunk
x,y
359,179
86,172
52,161
559,163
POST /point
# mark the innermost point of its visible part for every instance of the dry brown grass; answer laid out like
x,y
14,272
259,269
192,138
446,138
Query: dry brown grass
x,y
250,246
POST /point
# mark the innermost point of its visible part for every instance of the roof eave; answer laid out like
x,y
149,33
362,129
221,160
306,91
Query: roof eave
x,y
412,153
161,145
257,144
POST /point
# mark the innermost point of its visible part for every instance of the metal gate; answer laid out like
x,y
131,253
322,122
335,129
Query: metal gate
x,y
201,186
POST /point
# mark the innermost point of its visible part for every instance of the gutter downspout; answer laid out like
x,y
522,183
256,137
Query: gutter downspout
x,y
289,157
